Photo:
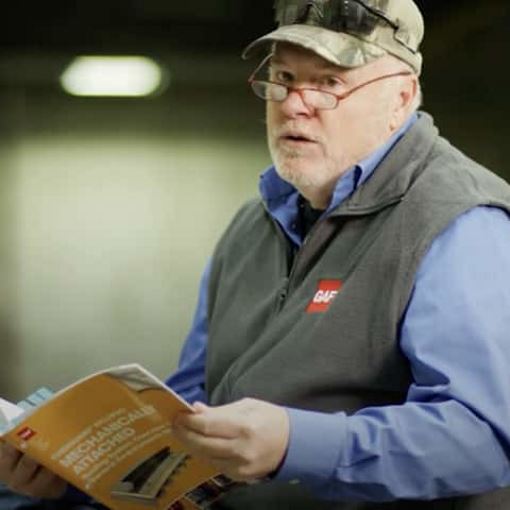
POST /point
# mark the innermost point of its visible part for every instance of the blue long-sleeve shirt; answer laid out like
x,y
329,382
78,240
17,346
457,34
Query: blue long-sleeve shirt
x,y
452,434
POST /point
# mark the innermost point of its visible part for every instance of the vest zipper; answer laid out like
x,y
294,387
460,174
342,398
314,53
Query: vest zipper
x,y
284,290
282,296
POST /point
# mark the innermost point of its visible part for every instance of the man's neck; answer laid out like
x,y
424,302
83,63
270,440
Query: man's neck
x,y
320,198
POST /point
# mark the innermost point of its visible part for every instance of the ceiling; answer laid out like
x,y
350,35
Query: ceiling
x,y
147,25
200,41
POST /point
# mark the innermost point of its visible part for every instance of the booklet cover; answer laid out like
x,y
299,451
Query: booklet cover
x,y
110,436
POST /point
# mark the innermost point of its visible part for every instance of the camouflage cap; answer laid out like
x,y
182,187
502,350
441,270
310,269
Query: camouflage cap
x,y
349,33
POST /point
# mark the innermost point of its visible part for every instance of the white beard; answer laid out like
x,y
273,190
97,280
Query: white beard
x,y
291,169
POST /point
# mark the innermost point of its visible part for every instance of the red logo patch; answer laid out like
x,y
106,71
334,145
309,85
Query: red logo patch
x,y
26,433
324,295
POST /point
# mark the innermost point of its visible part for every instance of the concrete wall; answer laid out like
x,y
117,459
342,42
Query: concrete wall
x,y
107,224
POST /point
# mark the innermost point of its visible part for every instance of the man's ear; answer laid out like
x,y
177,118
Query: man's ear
x,y
405,101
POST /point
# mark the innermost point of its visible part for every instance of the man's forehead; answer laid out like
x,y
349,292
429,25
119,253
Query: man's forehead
x,y
288,54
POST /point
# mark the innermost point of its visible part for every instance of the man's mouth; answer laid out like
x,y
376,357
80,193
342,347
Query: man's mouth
x,y
297,138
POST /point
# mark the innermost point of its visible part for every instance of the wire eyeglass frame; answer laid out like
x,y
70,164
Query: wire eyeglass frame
x,y
321,99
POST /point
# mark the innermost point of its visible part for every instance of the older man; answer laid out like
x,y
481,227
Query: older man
x,y
362,304
350,347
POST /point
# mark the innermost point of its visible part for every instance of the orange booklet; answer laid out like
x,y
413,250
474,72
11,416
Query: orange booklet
x,y
110,436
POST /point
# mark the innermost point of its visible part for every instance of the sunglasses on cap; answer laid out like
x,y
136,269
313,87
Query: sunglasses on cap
x,y
352,16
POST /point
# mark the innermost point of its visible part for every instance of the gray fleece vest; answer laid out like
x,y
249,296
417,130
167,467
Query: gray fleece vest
x,y
269,338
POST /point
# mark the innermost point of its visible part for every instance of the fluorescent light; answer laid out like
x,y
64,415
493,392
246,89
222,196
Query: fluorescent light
x,y
127,76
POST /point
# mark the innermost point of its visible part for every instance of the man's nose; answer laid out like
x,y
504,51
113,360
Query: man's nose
x,y
294,104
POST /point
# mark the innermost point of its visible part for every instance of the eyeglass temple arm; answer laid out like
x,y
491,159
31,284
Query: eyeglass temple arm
x,y
260,66
373,80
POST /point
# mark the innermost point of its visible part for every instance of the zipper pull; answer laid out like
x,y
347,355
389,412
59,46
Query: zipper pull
x,y
282,295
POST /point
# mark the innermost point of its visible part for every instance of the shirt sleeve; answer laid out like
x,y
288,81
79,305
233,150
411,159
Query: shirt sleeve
x,y
189,378
452,434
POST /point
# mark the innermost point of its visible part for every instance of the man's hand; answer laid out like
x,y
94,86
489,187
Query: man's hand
x,y
23,475
245,440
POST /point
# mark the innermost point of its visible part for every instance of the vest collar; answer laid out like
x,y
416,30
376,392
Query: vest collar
x,y
396,173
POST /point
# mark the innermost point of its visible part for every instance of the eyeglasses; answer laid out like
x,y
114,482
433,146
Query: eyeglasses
x,y
314,98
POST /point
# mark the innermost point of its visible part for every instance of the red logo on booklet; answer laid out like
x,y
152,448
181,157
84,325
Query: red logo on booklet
x,y
26,433
324,295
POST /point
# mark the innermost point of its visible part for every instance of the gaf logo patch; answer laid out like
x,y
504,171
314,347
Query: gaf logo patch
x,y
324,295
26,433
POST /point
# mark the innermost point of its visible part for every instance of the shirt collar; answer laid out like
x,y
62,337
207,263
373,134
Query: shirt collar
x,y
281,198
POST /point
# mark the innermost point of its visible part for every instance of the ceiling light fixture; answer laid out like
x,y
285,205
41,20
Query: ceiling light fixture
x,y
112,76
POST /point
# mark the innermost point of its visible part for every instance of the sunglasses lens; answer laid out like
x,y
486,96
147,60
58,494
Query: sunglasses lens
x,y
339,15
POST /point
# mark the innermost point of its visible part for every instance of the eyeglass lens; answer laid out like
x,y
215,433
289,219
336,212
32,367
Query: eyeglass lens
x,y
313,98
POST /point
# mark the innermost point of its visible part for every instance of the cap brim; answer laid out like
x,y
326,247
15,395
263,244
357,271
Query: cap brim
x,y
339,48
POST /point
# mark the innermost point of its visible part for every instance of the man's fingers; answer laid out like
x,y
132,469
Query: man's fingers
x,y
200,407
23,473
224,454
9,457
46,484
205,446
211,421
